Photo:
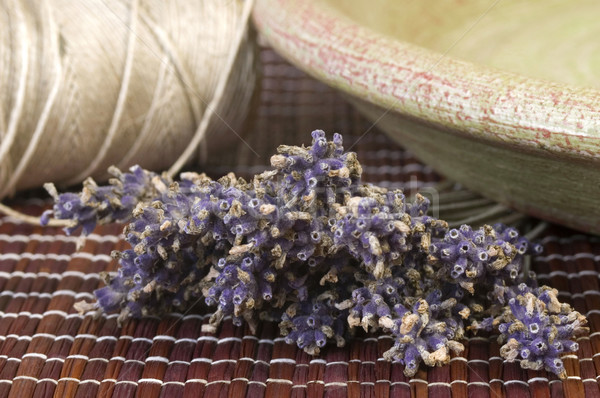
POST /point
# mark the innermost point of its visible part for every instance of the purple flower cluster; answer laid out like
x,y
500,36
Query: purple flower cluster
x,y
104,204
308,245
537,328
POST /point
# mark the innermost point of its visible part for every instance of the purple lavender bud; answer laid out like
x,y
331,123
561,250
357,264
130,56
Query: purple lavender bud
x,y
464,248
306,338
266,292
411,359
320,338
453,235
435,342
482,255
538,346
569,345
305,254
319,147
226,300
534,328
554,365
46,216
108,298
338,141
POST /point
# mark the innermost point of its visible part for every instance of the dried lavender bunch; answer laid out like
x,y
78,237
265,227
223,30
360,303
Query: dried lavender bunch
x,y
307,244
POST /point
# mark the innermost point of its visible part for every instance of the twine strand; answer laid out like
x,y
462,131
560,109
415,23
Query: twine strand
x,y
217,99
146,129
15,114
40,128
6,210
120,105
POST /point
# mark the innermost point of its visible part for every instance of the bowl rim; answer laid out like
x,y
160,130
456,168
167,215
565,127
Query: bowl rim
x,y
462,97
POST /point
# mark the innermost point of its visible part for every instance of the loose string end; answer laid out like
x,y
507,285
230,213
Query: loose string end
x,y
33,220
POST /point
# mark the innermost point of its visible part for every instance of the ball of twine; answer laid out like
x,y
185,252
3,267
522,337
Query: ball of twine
x,y
89,84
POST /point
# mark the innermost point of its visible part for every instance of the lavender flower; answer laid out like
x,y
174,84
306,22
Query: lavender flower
x,y
311,323
310,246
105,204
537,329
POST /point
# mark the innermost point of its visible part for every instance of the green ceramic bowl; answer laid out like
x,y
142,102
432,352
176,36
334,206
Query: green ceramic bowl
x,y
501,96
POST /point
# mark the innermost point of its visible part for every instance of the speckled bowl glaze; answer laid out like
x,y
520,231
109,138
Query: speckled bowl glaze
x,y
502,96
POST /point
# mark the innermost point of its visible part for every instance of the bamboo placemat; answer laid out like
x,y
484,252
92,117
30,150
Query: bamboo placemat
x,y
46,349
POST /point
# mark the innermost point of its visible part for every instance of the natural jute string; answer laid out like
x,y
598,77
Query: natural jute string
x,y
88,84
